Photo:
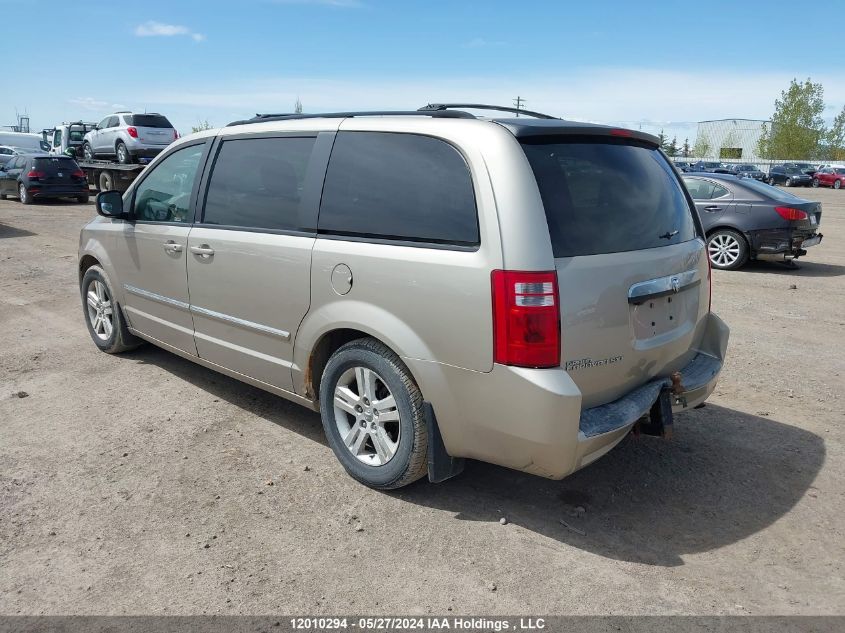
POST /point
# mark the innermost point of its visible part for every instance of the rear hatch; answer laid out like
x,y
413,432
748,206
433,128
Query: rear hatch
x,y
59,172
632,273
153,129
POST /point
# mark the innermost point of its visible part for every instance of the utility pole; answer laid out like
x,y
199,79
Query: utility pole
x,y
518,103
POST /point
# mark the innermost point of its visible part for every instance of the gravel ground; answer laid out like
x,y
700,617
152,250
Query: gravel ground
x,y
143,483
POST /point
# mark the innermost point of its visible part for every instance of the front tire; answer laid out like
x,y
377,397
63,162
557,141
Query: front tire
x,y
103,315
727,249
788,182
23,194
373,416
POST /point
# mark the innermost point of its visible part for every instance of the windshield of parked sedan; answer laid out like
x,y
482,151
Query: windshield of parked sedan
x,y
768,191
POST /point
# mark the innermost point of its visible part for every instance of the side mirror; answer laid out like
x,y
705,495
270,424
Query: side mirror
x,y
45,146
110,204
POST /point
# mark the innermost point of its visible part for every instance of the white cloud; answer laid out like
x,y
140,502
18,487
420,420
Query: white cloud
x,y
90,103
342,4
151,28
480,42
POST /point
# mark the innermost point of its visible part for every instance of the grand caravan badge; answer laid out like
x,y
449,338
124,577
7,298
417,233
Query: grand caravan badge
x,y
587,363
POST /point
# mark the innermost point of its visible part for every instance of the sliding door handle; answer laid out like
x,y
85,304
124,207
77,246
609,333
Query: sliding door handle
x,y
204,251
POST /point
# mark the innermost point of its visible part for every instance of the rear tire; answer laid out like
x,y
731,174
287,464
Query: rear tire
x,y
3,196
87,152
815,183
23,194
373,416
123,155
106,181
837,184
727,249
103,315
82,199
788,182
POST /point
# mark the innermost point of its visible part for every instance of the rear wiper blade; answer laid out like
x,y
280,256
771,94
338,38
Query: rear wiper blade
x,y
668,235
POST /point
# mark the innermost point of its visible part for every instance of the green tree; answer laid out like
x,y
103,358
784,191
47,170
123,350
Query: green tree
x,y
702,146
797,127
297,107
672,147
200,126
662,139
685,149
835,139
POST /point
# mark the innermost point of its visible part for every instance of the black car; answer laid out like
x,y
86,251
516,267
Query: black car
x,y
704,165
745,219
748,171
683,166
29,177
806,168
788,176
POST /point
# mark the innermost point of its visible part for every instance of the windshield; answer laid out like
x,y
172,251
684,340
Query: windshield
x,y
608,196
793,170
147,120
770,191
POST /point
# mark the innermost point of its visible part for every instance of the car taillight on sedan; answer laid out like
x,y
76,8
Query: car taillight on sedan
x,y
35,174
788,213
133,132
526,318
78,174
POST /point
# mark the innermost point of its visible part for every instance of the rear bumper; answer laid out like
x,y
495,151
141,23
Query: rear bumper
x,y
531,419
62,192
786,243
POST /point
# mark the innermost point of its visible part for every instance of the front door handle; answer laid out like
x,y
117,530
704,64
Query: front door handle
x,y
712,208
172,247
204,251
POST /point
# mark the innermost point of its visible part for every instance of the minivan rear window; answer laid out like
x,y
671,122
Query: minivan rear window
x,y
608,196
147,120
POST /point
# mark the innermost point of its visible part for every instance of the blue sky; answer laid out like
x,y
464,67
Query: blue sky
x,y
642,64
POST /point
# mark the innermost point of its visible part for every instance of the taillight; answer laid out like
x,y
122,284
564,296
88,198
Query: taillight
x,y
133,132
621,132
35,174
78,174
526,318
175,135
788,213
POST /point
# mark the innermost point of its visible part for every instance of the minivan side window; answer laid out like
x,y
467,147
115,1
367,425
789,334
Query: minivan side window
x,y
165,194
399,187
257,183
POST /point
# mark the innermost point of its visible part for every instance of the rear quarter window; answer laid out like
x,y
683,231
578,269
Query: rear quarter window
x,y
398,186
608,196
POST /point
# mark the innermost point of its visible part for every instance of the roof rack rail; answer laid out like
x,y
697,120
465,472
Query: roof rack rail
x,y
445,114
445,107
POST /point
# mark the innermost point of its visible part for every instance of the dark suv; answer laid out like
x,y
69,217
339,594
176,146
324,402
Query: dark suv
x,y
29,177
788,176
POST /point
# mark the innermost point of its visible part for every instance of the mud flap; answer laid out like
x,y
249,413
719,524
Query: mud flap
x,y
660,417
441,465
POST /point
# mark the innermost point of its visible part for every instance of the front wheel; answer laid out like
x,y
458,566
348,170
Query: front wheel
x,y
373,416
103,317
788,182
727,249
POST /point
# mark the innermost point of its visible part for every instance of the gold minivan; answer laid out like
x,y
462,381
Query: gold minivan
x,y
438,285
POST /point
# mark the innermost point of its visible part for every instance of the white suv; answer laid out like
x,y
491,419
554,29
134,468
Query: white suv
x,y
129,137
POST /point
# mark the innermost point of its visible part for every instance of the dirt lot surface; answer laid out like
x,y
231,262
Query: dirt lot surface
x,y
138,483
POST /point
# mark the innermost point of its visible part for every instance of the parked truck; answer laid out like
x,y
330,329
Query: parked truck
x,y
104,175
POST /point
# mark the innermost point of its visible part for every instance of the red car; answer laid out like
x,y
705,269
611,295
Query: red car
x,y
830,177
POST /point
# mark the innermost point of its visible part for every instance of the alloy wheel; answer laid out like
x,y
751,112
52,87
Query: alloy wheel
x,y
100,310
366,416
723,250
